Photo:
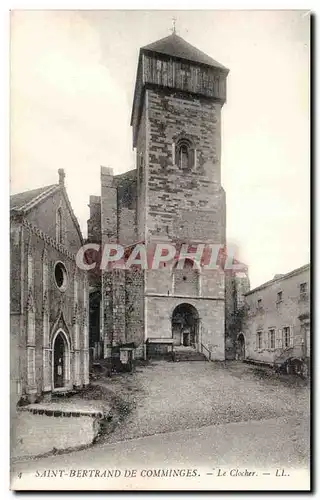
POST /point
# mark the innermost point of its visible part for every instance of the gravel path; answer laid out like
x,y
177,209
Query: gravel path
x,y
163,396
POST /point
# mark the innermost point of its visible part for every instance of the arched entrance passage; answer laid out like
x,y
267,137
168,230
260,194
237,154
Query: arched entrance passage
x,y
185,325
61,360
241,348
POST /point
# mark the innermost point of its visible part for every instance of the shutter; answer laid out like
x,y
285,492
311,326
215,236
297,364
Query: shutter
x,y
291,336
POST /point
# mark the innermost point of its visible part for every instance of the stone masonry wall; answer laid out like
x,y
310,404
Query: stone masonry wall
x,y
15,267
109,216
184,204
119,306
94,222
161,298
126,205
142,166
159,313
57,301
44,217
135,306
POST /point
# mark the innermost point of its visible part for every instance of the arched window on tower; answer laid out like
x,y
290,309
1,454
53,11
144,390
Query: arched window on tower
x,y
184,157
184,154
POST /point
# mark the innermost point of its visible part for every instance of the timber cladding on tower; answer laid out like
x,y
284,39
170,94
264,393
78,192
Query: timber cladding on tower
x,y
175,195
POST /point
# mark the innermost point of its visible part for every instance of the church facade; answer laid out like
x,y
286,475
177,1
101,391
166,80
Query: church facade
x,y
174,196
49,341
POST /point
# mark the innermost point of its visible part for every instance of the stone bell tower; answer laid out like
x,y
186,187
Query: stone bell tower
x,y
176,122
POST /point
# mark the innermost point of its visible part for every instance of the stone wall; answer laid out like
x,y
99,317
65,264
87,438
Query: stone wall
x,y
58,306
94,222
126,205
44,217
203,283
211,312
15,267
135,306
186,204
119,307
209,300
142,162
230,310
124,308
109,211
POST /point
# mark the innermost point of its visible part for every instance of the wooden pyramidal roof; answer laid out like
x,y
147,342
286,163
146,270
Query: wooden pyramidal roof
x,y
175,46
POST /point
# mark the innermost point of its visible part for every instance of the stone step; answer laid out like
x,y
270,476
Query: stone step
x,y
190,356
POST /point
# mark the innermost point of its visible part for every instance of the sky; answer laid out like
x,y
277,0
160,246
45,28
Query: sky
x,y
72,83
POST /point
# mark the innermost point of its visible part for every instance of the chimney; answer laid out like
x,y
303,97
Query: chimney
x,y
61,176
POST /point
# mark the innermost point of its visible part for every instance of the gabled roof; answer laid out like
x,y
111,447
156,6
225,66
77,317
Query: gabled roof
x,y
22,203
278,278
21,200
175,46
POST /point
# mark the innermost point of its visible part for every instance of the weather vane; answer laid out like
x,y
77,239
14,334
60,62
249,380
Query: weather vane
x,y
173,29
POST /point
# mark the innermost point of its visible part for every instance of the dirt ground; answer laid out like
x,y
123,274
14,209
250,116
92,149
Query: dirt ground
x,y
163,397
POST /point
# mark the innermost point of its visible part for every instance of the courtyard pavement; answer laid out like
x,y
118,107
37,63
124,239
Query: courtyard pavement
x,y
164,397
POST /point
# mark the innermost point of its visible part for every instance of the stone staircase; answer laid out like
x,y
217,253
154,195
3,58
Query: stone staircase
x,y
182,353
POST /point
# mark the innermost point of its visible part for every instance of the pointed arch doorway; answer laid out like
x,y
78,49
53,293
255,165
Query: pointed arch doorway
x,y
185,325
61,360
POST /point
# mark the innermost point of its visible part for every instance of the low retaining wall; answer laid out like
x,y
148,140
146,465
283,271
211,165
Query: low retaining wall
x,y
37,430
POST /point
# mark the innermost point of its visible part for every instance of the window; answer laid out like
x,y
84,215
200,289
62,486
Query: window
x,y
259,303
59,225
259,341
303,290
279,297
184,157
184,154
60,276
287,337
272,339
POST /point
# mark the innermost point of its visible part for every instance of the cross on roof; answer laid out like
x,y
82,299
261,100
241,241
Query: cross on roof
x,y
173,29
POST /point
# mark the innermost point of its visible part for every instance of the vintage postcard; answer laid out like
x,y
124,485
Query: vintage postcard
x,y
159,250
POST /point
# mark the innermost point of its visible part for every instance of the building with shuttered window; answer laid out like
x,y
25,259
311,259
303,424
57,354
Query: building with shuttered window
x,y
277,322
